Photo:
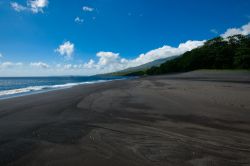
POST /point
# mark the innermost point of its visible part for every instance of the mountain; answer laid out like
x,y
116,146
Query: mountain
x,y
148,65
144,67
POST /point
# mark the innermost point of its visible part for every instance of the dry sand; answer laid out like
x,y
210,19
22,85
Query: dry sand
x,y
199,118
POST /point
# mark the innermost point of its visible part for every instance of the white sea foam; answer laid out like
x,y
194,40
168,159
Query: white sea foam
x,y
21,90
31,89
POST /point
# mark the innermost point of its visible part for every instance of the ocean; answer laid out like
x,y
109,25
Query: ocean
x,y
19,86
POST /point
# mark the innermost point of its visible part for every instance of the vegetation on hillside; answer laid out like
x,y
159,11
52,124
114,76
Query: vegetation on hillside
x,y
217,53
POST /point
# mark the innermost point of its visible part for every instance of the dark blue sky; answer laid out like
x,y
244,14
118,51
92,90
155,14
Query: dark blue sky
x,y
128,27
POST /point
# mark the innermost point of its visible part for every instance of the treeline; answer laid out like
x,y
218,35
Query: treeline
x,y
217,53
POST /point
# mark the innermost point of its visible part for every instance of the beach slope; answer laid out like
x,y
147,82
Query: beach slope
x,y
199,118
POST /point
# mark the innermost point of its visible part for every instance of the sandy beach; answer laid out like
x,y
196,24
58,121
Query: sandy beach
x,y
199,118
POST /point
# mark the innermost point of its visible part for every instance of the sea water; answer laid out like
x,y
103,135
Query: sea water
x,y
19,86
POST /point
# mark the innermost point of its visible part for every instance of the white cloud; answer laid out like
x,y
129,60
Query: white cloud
x,y
35,6
1,55
8,64
106,62
39,64
66,49
244,30
17,7
78,20
87,9
166,51
89,64
67,66
107,57
109,61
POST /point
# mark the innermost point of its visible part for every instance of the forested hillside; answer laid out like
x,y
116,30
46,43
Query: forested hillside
x,y
217,53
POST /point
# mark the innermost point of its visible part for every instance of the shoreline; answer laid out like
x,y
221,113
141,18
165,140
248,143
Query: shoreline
x,y
180,76
48,88
178,120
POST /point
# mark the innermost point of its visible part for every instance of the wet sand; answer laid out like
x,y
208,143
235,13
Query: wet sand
x,y
200,118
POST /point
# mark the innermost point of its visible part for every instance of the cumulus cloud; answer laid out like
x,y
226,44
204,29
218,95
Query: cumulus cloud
x,y
106,61
17,7
35,6
87,9
66,49
89,64
8,64
165,52
78,20
244,30
109,61
39,65
107,57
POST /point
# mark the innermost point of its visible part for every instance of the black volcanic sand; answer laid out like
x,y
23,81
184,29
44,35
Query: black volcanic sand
x,y
200,118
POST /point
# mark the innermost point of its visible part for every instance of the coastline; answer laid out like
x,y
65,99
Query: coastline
x,y
193,118
30,90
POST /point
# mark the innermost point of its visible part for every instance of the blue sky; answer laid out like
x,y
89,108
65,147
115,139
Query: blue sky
x,y
82,37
